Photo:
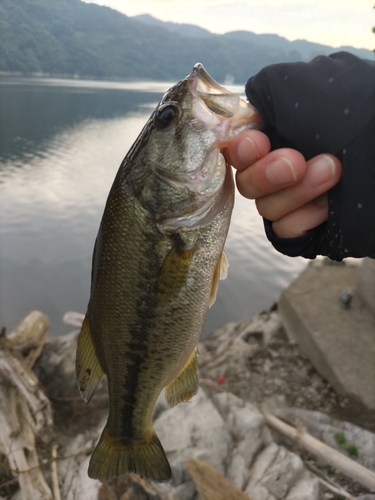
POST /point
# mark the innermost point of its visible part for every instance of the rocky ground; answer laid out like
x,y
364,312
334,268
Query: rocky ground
x,y
245,367
259,362
256,361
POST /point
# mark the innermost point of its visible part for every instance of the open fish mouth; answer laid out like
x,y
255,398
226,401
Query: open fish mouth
x,y
215,116
227,111
212,94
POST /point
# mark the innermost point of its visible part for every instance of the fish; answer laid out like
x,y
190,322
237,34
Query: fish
x,y
157,261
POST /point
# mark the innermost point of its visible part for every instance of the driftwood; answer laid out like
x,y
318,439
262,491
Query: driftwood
x,y
28,414
329,455
210,484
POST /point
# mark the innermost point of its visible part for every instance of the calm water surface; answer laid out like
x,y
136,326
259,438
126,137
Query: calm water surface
x,y
61,143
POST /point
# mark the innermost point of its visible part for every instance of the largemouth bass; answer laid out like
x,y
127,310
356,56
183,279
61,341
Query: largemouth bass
x,y
157,262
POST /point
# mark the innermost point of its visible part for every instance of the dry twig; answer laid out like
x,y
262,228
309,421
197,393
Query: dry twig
x,y
54,476
211,384
328,483
347,466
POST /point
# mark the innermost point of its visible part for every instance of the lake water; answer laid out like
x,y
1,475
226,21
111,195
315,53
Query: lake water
x,y
61,143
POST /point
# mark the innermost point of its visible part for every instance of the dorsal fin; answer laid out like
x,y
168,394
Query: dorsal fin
x,y
88,369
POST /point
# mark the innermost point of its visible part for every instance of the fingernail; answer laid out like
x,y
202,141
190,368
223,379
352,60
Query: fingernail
x,y
281,171
322,170
247,150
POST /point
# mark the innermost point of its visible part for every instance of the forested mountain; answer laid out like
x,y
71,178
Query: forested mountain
x,y
184,29
69,37
306,50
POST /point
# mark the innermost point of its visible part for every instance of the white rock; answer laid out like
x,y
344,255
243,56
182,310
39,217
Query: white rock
x,y
194,429
263,463
276,470
259,492
238,471
72,472
185,491
248,425
283,473
307,488
226,403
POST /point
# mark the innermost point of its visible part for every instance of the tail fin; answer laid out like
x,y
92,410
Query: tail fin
x,y
113,459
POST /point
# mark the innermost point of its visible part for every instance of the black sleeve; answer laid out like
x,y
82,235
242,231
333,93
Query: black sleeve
x,y
326,106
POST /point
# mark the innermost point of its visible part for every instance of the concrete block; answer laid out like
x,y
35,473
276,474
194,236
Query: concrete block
x,y
366,282
339,342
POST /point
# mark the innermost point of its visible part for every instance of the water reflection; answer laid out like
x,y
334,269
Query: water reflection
x,y
61,146
31,114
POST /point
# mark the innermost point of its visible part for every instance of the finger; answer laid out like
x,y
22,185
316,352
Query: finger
x,y
246,148
276,171
322,173
299,221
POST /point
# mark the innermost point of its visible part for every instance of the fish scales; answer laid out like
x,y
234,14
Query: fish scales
x,y
156,264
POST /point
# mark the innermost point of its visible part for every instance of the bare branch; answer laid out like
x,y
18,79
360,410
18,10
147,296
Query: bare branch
x,y
347,466
54,476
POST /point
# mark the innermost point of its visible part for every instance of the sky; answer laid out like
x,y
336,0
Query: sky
x,y
330,22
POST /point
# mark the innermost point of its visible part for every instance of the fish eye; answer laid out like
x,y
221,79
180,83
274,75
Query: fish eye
x,y
166,116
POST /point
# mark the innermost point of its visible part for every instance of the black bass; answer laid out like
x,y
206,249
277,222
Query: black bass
x,y
157,262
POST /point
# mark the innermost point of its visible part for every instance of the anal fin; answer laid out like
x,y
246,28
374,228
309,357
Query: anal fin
x,y
88,369
185,384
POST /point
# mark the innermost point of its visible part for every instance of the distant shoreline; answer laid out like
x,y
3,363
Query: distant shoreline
x,y
68,76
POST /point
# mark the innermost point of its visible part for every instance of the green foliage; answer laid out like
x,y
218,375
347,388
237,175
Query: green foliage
x,y
352,449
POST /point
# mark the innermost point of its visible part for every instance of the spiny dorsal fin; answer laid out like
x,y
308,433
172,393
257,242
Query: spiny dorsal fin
x,y
88,369
185,384
220,273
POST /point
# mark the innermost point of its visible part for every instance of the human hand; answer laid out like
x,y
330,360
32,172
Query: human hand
x,y
288,190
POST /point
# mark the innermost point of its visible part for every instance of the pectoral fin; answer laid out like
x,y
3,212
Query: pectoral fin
x,y
88,369
220,273
186,384
173,273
